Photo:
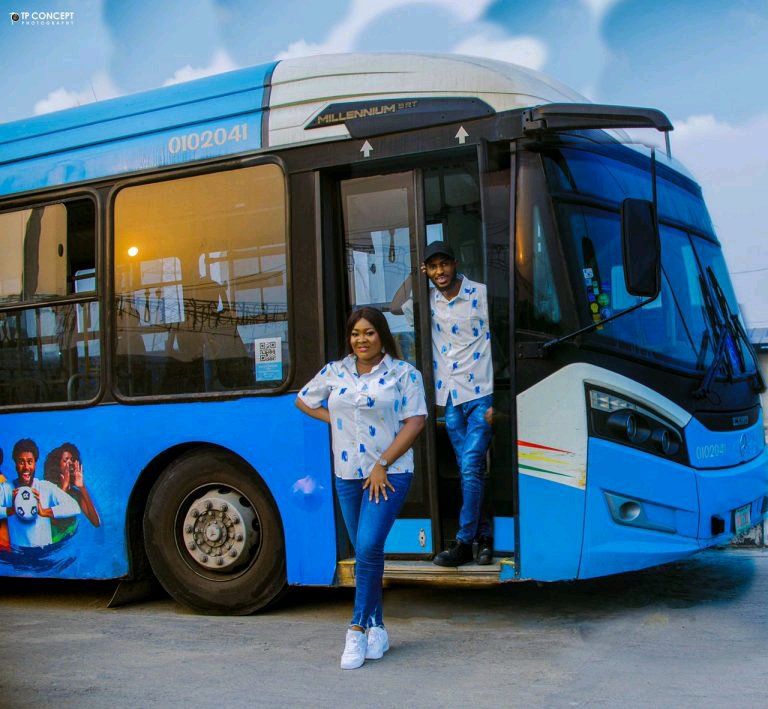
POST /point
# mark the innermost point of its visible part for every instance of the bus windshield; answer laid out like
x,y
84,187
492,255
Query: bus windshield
x,y
683,326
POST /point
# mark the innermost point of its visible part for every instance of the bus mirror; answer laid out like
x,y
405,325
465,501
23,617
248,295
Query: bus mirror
x,y
641,248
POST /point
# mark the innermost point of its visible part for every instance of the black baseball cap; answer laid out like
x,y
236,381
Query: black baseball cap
x,y
438,247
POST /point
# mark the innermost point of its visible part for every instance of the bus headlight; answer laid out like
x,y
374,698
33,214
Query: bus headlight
x,y
630,425
666,440
619,419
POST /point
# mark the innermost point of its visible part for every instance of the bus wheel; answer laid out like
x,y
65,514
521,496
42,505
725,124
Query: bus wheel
x,y
213,535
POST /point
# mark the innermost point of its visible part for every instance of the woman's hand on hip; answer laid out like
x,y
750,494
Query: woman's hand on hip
x,y
377,484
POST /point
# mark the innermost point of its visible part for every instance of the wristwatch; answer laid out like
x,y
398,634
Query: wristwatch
x,y
383,463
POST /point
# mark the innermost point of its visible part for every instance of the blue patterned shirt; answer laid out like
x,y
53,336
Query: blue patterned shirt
x,y
367,411
461,344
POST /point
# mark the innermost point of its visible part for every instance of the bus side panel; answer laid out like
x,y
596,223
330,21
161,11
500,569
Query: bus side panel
x,y
165,148
641,510
113,449
307,509
551,528
289,451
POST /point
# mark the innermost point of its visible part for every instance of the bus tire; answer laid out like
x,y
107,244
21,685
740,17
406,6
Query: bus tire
x,y
213,535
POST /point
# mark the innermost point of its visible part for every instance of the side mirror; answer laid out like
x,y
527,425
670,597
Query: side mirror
x,y
641,248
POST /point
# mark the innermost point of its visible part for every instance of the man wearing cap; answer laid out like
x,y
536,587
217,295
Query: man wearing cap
x,y
463,372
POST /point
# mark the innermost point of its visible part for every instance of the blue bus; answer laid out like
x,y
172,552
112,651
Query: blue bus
x,y
176,264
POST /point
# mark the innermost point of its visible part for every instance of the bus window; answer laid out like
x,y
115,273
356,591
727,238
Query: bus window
x,y
49,351
378,218
452,211
538,280
200,284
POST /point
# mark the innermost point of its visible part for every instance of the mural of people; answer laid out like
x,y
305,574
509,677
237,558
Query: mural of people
x,y
63,467
29,520
5,543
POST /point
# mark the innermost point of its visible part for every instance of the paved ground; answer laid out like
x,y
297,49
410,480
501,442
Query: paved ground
x,y
688,635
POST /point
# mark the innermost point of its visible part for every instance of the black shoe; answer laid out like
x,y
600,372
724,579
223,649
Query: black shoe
x,y
484,551
456,554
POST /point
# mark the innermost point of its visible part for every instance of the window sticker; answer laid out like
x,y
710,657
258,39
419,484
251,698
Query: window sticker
x,y
269,359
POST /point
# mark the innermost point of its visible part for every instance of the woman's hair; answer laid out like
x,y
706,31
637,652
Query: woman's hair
x,y
51,470
380,324
72,449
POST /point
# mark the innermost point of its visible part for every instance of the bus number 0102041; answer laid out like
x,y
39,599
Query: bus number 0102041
x,y
208,138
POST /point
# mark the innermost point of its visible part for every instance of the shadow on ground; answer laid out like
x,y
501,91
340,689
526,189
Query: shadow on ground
x,y
718,576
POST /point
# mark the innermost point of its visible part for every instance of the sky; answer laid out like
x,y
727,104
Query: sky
x,y
703,62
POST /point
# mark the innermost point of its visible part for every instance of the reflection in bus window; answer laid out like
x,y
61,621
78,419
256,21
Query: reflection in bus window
x,y
378,213
452,211
49,351
670,329
538,283
377,238
200,280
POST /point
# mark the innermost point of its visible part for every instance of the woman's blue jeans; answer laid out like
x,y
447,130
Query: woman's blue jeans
x,y
470,437
368,525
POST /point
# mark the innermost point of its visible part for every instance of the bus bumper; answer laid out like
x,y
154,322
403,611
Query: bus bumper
x,y
731,500
644,511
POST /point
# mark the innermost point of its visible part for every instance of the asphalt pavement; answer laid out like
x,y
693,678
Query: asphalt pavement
x,y
690,634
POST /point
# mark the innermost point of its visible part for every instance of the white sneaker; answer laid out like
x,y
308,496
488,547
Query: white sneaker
x,y
354,650
378,643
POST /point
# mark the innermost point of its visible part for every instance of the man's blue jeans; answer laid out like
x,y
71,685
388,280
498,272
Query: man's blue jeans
x,y
368,525
470,436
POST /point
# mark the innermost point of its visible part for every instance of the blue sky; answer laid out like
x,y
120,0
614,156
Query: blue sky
x,y
703,62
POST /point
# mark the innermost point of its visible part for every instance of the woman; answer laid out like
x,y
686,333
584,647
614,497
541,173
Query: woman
x,y
376,410
64,468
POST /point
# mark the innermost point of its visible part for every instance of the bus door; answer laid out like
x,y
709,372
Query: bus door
x,y
387,220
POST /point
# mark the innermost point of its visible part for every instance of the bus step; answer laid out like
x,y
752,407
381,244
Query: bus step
x,y
419,571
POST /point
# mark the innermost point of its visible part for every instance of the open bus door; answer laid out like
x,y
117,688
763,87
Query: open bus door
x,y
385,222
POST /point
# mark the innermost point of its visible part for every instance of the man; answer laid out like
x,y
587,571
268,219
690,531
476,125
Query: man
x,y
51,502
463,369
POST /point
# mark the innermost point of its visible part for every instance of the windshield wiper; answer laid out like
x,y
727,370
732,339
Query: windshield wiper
x,y
738,331
727,331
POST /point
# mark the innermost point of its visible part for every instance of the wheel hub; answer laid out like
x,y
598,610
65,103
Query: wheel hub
x,y
218,530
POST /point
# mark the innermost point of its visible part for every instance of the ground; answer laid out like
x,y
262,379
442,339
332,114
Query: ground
x,y
689,634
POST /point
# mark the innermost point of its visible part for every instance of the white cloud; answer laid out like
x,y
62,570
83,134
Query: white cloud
x,y
723,153
465,10
706,126
600,8
730,162
220,63
99,87
306,49
362,13
526,51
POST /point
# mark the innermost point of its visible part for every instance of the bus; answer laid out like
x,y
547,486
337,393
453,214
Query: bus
x,y
176,264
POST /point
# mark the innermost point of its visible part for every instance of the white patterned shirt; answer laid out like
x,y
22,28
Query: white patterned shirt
x,y
367,411
36,532
461,344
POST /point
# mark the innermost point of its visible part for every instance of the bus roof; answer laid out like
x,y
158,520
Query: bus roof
x,y
302,88
271,105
